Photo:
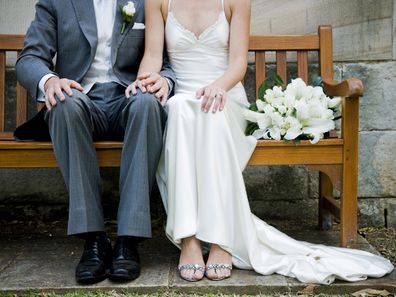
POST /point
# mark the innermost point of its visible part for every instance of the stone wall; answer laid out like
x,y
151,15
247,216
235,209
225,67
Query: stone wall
x,y
364,46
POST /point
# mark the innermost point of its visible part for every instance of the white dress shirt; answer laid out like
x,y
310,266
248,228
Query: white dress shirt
x,y
101,69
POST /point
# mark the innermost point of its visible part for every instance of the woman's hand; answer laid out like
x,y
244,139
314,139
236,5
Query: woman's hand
x,y
132,88
212,96
152,83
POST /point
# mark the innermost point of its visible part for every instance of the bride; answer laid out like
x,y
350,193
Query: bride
x,y
205,151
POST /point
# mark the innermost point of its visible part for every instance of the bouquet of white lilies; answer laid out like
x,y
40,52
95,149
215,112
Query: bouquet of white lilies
x,y
295,113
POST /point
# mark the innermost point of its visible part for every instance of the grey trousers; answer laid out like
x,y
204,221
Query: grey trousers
x,y
105,113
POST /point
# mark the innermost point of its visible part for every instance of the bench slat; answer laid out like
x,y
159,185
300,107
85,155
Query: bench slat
x,y
302,65
284,42
281,65
297,155
11,42
260,69
326,53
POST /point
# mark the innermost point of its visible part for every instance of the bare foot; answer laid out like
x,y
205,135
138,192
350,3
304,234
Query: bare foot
x,y
191,263
219,263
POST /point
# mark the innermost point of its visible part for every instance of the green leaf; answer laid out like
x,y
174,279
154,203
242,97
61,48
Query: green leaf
x,y
278,80
253,106
251,127
261,92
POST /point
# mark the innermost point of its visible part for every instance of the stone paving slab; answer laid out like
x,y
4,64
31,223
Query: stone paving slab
x,y
46,264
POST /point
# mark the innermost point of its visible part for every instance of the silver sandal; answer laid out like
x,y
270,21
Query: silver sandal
x,y
195,267
218,266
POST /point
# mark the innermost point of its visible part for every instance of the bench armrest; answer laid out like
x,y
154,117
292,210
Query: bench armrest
x,y
351,87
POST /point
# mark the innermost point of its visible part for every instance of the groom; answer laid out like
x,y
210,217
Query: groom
x,y
98,51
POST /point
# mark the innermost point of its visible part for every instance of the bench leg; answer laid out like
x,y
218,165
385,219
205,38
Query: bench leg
x,y
325,190
348,213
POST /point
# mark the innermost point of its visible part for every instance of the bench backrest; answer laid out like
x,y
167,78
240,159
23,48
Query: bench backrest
x,y
281,44
321,43
11,43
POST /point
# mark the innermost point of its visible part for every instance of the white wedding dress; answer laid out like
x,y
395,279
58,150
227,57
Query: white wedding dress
x,y
200,173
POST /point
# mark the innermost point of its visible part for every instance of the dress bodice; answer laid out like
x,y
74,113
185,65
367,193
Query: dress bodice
x,y
197,60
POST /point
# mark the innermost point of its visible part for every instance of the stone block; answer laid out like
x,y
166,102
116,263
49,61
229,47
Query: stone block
x,y
377,212
267,183
394,30
377,170
376,106
305,210
362,29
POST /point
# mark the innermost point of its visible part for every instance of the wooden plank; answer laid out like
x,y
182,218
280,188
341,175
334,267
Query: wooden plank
x,y
284,42
281,65
11,42
322,142
260,69
46,158
45,145
332,205
293,155
5,136
302,65
348,215
2,90
21,104
326,52
40,154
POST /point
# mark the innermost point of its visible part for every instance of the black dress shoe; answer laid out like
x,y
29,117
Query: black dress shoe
x,y
126,263
95,261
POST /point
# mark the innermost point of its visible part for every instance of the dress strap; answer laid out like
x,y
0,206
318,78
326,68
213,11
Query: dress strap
x,y
222,4
169,5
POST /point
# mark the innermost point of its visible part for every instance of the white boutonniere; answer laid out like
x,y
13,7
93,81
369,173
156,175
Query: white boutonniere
x,y
128,11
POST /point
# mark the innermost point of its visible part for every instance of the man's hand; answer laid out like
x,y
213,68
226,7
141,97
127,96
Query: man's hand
x,y
212,96
152,83
55,86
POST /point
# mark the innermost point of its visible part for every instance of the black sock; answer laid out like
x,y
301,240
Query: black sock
x,y
92,235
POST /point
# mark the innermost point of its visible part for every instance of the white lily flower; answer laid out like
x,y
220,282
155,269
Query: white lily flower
x,y
268,109
260,105
275,133
289,100
282,109
312,126
292,127
334,102
251,115
259,133
278,92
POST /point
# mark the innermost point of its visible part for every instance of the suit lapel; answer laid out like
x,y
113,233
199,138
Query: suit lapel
x,y
85,12
117,36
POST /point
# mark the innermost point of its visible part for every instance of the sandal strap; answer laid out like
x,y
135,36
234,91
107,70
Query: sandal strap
x,y
217,266
195,267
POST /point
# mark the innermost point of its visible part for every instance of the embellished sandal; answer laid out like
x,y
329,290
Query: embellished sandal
x,y
218,266
195,267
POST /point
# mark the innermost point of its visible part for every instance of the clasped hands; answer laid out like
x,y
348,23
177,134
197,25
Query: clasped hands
x,y
152,83
211,95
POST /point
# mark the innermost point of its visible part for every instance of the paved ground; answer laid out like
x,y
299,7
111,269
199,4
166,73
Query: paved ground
x,y
46,263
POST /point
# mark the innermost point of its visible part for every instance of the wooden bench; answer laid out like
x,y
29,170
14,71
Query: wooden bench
x,y
336,159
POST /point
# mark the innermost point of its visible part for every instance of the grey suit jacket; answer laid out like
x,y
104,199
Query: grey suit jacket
x,y
67,29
